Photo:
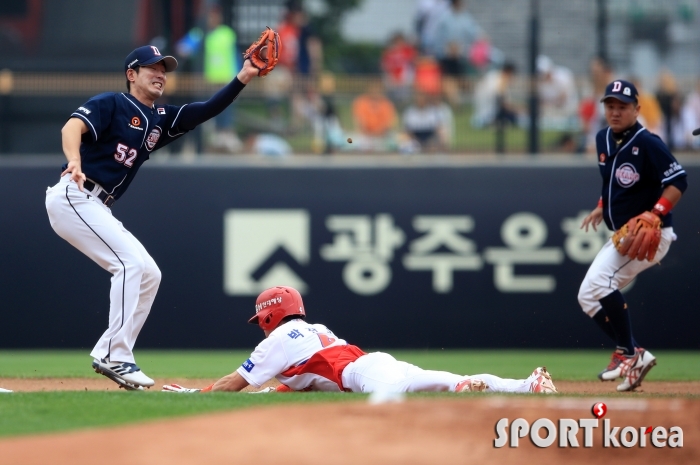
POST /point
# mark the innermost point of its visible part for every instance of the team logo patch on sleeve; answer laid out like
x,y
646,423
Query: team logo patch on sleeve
x,y
152,138
248,366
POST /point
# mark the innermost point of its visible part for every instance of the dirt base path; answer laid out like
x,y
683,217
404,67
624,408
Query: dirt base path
x,y
100,383
418,431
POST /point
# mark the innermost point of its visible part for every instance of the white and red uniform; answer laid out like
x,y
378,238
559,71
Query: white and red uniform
x,y
309,357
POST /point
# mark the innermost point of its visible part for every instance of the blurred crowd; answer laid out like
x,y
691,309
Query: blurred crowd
x,y
445,67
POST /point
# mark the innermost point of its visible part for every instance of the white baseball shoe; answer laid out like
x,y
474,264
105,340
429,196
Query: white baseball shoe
x,y
615,368
619,362
541,382
636,369
4,391
471,385
126,375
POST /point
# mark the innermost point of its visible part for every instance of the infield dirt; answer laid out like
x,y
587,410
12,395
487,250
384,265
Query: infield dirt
x,y
417,431
100,383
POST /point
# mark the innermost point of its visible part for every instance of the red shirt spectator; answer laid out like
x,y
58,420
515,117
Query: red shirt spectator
x,y
398,61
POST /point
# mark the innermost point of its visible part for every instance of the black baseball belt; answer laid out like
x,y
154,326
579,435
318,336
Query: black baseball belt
x,y
106,199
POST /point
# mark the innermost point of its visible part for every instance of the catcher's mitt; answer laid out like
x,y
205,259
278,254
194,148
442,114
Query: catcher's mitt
x,y
640,237
264,52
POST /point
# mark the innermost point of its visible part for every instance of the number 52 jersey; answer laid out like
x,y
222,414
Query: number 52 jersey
x,y
122,132
302,356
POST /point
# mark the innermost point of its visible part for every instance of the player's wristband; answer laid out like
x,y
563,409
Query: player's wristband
x,y
600,202
207,389
662,207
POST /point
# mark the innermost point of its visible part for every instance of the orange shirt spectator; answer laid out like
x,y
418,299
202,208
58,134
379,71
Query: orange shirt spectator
x,y
289,36
374,114
428,76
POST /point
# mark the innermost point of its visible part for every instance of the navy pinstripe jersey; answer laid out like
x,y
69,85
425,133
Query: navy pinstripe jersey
x,y
122,132
635,173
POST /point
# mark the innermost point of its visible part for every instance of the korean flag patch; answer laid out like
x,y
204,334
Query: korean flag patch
x,y
161,110
635,150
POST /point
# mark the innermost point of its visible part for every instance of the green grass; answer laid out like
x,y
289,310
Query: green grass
x,y
565,364
41,412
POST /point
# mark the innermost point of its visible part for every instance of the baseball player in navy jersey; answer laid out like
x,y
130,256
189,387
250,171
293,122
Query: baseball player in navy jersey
x,y
310,357
640,178
106,140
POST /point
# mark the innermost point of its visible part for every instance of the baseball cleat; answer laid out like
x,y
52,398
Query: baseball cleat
x,y
637,370
5,391
616,367
126,375
542,382
471,385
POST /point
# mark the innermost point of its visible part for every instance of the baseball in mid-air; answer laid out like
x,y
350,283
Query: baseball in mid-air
x,y
349,140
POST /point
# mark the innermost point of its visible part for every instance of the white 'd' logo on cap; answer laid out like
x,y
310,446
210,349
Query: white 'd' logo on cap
x,y
627,91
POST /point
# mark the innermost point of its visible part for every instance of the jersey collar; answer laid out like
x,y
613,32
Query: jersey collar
x,y
137,102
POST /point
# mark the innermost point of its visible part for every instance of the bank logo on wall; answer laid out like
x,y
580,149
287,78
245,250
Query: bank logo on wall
x,y
265,248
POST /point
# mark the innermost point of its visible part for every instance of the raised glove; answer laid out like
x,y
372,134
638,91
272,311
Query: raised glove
x,y
264,52
179,389
640,237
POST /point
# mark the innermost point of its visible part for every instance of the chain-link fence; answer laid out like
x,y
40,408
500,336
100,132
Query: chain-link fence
x,y
394,76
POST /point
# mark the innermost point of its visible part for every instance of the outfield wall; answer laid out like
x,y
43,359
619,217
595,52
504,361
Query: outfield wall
x,y
398,254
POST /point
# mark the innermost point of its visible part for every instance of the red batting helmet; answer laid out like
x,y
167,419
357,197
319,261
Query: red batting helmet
x,y
274,304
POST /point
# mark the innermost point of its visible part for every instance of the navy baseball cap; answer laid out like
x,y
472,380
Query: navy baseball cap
x,y
147,55
623,91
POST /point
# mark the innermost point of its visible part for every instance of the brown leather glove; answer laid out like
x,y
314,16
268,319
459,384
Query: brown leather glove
x,y
640,237
264,52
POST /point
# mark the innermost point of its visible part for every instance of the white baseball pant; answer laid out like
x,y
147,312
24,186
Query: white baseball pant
x,y
81,219
380,372
611,271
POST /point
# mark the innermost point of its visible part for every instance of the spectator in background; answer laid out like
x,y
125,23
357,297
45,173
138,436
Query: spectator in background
x,y
289,30
451,43
428,12
424,123
318,108
556,88
447,120
691,117
301,60
220,66
277,86
310,57
670,101
375,120
428,78
267,145
398,68
591,113
493,98
650,115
